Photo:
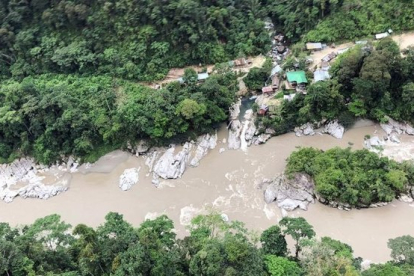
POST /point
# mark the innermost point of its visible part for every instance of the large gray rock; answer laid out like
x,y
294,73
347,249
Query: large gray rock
x,y
394,138
373,142
304,130
334,129
128,178
250,132
171,166
204,144
290,194
142,147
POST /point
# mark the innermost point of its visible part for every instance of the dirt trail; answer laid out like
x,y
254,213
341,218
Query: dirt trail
x,y
176,73
403,41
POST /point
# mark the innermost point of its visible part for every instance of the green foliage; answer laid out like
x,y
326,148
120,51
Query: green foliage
x,y
353,19
402,249
51,116
325,258
387,269
214,247
279,266
296,17
298,229
356,178
273,242
129,39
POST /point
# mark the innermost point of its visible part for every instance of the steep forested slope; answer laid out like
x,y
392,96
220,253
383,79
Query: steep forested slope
x,y
132,39
332,20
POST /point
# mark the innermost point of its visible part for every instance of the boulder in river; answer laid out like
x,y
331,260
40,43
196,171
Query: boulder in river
x,y
373,142
290,194
334,129
394,138
128,178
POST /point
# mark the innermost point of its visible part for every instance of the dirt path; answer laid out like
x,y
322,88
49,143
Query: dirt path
x,y
176,73
403,41
318,55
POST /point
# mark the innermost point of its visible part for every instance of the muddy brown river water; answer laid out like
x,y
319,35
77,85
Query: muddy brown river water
x,y
226,182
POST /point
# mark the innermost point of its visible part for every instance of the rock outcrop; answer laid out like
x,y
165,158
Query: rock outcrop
x,y
170,165
393,126
167,164
204,144
128,178
234,141
290,194
334,129
23,177
304,130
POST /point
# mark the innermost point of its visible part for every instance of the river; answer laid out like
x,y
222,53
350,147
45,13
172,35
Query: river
x,y
225,181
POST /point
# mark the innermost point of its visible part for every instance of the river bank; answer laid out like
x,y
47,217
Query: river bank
x,y
227,181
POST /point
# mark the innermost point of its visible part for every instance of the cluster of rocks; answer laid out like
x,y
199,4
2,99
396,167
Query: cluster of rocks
x,y
333,128
168,164
23,177
289,194
393,126
393,129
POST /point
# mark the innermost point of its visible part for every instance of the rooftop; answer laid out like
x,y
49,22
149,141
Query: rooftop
x,y
314,46
321,75
296,76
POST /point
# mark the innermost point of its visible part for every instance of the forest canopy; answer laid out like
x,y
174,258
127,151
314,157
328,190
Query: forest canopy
x,y
129,39
213,247
52,116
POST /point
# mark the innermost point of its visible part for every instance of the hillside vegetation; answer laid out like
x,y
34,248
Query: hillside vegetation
x,y
333,20
52,116
130,39
50,246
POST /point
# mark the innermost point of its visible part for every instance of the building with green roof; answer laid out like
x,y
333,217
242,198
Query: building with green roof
x,y
296,77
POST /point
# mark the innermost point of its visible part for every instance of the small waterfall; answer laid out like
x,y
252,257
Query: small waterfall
x,y
247,119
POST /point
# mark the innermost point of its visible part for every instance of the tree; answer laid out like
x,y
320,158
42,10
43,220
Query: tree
x,y
189,109
321,258
402,249
279,266
387,269
298,229
273,242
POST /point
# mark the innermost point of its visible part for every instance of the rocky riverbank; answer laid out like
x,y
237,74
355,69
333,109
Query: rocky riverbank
x,y
333,128
25,178
171,163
